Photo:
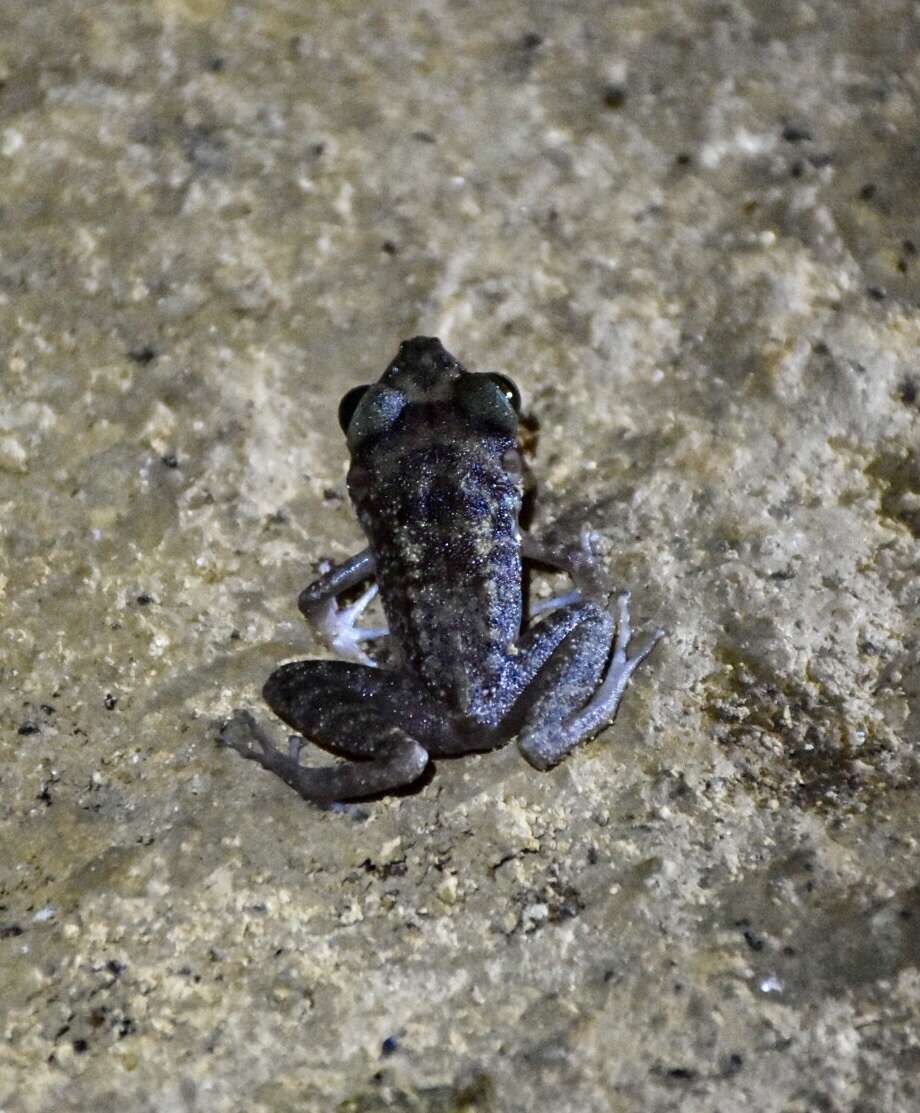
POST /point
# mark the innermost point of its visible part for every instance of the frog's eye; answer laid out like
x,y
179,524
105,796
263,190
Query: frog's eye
x,y
375,411
490,399
508,388
349,404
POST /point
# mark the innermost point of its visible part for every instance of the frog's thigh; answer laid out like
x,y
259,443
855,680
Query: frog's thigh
x,y
382,719
575,649
568,633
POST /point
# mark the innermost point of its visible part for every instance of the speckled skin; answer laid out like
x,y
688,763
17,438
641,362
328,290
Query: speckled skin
x,y
439,500
436,481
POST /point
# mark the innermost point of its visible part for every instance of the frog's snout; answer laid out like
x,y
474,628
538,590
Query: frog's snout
x,y
420,350
422,365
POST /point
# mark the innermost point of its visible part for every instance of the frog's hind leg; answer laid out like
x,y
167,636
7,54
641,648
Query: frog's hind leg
x,y
380,720
576,698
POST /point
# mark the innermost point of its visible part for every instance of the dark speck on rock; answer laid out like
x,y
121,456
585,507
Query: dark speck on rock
x,y
80,1046
684,158
877,293
10,931
868,191
614,97
793,133
389,248
28,728
110,702
531,40
907,392
170,460
753,941
143,354
389,1046
144,600
782,574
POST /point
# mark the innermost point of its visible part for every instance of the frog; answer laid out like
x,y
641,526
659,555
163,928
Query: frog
x,y
437,481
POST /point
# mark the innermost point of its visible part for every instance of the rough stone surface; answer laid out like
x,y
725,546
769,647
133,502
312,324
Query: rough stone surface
x,y
690,231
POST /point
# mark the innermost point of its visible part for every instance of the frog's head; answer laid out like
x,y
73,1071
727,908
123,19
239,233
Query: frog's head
x,y
425,387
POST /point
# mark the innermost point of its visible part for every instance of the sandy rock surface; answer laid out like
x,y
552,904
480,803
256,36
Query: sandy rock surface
x,y
690,232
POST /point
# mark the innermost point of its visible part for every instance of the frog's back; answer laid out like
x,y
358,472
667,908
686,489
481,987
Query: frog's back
x,y
436,481
442,520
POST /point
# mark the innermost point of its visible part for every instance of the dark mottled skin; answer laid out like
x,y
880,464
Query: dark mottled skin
x,y
448,557
436,482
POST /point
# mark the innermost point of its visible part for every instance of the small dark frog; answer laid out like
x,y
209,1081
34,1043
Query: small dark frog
x,y
437,481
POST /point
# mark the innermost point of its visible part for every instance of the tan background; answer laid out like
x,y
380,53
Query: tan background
x,y
690,232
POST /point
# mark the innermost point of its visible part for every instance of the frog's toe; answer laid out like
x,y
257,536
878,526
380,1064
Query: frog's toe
x,y
624,637
624,626
588,540
344,643
240,730
236,730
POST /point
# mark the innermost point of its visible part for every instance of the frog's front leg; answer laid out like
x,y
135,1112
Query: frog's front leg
x,y
570,696
384,721
336,624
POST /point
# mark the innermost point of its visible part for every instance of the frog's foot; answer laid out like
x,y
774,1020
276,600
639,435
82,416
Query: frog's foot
x,y
544,743
338,626
398,760
241,729
602,707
